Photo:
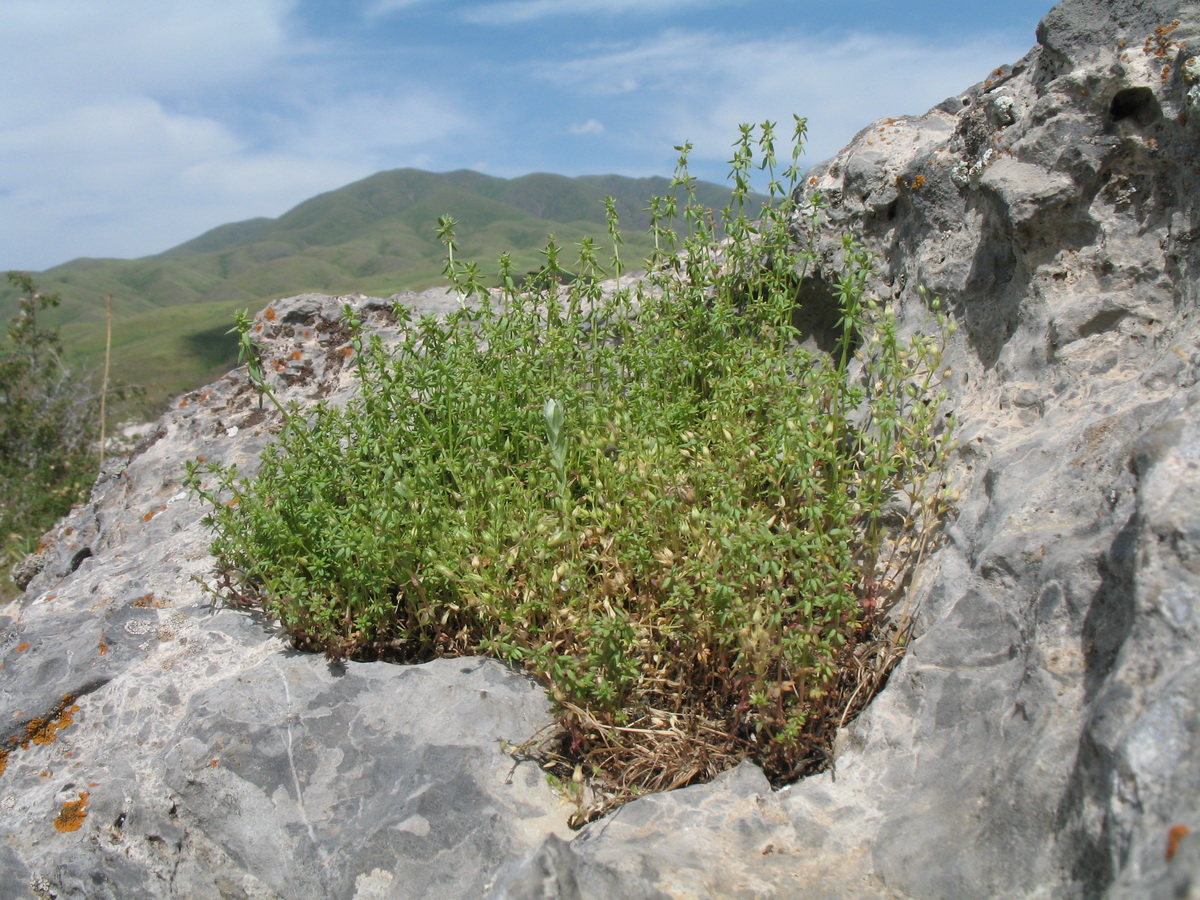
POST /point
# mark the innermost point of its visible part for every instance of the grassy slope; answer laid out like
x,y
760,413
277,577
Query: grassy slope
x,y
375,236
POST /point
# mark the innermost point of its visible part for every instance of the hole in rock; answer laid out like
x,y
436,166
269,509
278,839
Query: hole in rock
x,y
817,315
1137,103
79,557
1103,321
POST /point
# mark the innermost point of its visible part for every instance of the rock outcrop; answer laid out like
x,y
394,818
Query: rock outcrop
x,y
1041,737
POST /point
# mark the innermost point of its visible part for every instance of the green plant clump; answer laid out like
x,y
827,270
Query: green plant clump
x,y
647,492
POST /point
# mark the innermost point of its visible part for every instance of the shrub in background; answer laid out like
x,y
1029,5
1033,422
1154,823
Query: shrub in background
x,y
48,429
647,492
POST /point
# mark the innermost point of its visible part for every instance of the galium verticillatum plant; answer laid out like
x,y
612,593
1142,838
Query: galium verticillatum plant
x,y
645,491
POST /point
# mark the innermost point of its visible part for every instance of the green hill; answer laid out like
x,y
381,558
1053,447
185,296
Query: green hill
x,y
375,236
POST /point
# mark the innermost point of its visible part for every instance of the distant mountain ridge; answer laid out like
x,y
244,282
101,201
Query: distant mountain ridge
x,y
417,198
374,236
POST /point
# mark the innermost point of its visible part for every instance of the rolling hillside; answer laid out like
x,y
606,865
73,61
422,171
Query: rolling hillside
x,y
376,236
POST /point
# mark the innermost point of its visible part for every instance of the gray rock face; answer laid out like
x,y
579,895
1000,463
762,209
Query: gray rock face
x,y
1039,740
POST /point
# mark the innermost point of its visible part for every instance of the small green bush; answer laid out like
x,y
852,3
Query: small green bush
x,y
649,494
48,428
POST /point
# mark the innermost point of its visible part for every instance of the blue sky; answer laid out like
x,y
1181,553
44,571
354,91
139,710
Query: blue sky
x,y
129,126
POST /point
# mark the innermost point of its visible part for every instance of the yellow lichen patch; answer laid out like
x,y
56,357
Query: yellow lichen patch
x,y
45,731
73,812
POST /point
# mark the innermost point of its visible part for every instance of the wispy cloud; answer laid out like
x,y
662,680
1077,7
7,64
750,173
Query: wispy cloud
x,y
384,7
591,126
88,51
509,12
699,86
152,122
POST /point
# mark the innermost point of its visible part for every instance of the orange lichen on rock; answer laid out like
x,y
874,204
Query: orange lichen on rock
x,y
1158,43
73,812
270,315
23,646
3,761
1174,836
45,731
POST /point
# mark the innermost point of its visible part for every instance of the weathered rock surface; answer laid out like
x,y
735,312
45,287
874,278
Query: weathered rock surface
x,y
1039,740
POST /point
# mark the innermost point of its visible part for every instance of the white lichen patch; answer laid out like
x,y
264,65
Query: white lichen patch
x,y
1191,77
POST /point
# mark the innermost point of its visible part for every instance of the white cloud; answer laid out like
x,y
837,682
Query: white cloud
x,y
110,141
91,51
129,130
508,12
373,123
699,87
131,178
384,7
591,126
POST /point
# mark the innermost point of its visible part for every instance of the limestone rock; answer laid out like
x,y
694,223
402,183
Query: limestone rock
x,y
1039,740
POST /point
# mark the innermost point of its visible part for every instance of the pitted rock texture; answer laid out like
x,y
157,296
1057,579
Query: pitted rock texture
x,y
1039,740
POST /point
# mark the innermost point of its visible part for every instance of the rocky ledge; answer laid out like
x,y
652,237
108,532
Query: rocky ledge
x,y
1040,739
